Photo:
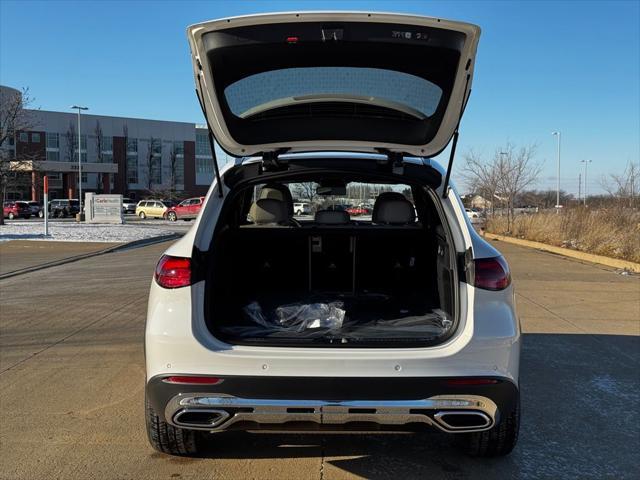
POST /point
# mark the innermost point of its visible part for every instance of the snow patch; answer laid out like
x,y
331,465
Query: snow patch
x,y
79,232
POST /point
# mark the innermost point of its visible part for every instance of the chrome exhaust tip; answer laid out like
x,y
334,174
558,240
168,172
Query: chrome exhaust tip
x,y
200,418
462,420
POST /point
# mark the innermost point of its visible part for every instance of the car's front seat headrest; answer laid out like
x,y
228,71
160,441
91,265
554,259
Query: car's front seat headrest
x,y
269,211
393,211
280,192
332,217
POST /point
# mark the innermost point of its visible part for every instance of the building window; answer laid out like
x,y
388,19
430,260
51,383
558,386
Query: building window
x,y
85,177
204,165
179,171
35,137
178,148
83,142
107,157
53,141
156,170
52,147
107,144
202,145
132,145
132,168
23,137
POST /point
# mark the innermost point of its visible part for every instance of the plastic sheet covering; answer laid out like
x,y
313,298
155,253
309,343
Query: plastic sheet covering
x,y
298,317
331,320
432,324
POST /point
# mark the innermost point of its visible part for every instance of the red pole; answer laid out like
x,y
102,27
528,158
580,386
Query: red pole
x,y
46,204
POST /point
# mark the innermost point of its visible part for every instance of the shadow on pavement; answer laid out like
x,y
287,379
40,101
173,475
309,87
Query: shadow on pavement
x,y
581,419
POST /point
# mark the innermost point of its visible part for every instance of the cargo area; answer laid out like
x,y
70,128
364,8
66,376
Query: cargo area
x,y
329,279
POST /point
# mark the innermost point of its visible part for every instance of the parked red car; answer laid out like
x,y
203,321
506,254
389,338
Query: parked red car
x,y
355,211
186,210
16,209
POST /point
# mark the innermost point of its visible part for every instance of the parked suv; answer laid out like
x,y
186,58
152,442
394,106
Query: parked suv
x,y
63,208
36,209
301,208
129,205
15,209
257,320
186,210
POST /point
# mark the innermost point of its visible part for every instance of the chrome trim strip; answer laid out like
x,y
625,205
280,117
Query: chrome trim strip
x,y
440,418
223,416
330,412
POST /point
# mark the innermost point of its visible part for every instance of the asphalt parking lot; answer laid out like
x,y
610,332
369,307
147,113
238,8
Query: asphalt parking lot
x,y
72,380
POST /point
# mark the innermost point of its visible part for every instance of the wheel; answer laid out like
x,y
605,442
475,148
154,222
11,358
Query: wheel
x,y
172,216
41,214
166,438
142,215
496,442
11,216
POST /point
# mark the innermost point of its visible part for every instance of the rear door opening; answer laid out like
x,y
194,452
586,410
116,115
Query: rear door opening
x,y
382,278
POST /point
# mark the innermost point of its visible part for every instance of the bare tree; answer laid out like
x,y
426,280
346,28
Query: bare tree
x,y
509,172
517,171
71,138
305,191
173,171
125,167
481,177
152,162
99,138
623,186
14,118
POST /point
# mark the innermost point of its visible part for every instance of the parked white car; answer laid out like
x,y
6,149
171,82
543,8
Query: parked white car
x,y
474,215
301,208
257,320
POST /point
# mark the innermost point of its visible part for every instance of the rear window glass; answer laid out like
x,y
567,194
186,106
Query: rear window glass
x,y
393,89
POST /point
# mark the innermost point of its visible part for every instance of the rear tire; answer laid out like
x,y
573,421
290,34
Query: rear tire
x,y
498,441
166,438
172,217
142,215
11,216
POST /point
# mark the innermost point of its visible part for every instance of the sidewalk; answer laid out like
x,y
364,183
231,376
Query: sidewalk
x,y
20,254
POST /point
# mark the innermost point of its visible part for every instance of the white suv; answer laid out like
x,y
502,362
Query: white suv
x,y
260,321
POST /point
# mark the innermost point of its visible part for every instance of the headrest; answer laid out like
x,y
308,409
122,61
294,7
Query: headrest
x,y
268,211
332,217
386,196
280,192
393,211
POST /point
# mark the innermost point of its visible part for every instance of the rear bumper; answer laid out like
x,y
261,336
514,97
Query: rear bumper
x,y
357,404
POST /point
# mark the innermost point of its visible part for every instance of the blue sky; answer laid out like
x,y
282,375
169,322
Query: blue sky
x,y
541,66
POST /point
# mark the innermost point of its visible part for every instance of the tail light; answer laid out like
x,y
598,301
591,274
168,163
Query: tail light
x,y
492,273
192,380
173,272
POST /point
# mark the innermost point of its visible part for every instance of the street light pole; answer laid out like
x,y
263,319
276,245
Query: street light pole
x,y
586,162
558,134
79,108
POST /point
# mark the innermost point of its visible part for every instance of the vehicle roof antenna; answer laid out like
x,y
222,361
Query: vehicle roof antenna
x,y
211,142
456,134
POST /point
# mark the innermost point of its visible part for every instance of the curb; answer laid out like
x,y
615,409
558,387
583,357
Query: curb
x,y
587,257
120,247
